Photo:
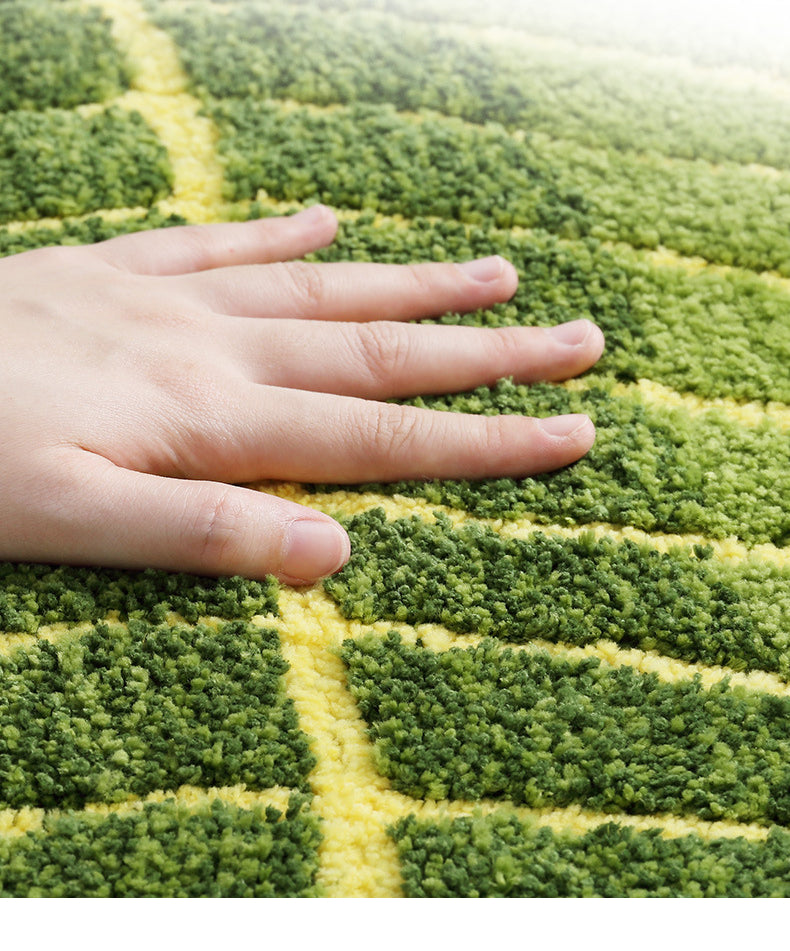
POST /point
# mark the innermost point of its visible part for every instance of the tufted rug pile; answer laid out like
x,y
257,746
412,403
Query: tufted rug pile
x,y
568,685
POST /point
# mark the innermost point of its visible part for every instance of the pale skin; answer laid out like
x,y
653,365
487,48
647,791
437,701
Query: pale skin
x,y
146,379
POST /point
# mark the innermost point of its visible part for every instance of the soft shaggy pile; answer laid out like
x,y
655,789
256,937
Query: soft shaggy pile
x,y
575,684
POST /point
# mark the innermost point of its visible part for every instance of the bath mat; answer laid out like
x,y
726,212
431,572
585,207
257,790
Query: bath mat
x,y
568,685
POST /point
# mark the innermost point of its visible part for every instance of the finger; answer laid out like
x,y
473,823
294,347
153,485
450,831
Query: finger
x,y
264,432
136,520
357,291
195,248
384,359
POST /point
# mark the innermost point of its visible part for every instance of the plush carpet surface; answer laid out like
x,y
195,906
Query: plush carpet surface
x,y
575,684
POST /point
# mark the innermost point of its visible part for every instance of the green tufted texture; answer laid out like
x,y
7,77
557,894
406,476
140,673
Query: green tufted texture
x,y
569,685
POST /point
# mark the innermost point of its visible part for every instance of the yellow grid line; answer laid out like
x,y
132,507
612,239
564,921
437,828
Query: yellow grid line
x,y
159,93
56,224
400,506
326,616
578,821
356,857
18,822
748,413
11,641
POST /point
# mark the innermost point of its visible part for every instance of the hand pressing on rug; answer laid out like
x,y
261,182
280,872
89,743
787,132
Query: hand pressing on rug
x,y
143,378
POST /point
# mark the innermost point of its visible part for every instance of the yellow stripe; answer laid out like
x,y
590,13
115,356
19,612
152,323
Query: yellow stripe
x,y
56,224
357,857
17,822
666,257
159,93
195,798
326,615
342,503
53,633
668,669
750,414
11,641
578,821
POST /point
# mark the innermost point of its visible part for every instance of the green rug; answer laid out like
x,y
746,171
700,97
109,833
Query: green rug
x,y
574,684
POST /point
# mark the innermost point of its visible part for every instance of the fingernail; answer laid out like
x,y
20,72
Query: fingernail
x,y
314,549
313,214
564,426
571,334
484,269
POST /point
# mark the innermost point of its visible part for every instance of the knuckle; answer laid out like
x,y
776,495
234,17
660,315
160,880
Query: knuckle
x,y
304,283
200,244
218,527
385,350
502,343
393,431
503,444
492,437
424,277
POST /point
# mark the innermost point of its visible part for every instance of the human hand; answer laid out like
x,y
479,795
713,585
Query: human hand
x,y
142,378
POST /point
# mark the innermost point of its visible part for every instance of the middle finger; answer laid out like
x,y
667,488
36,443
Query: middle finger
x,y
384,359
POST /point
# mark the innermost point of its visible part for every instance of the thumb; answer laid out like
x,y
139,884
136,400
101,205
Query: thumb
x,y
137,520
